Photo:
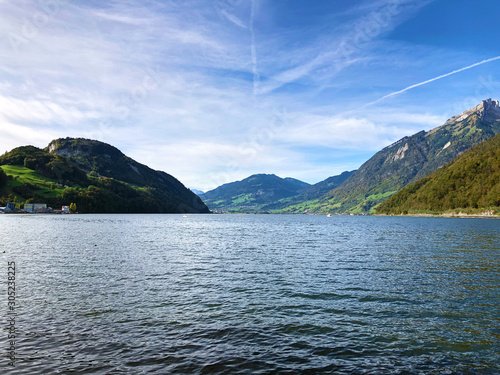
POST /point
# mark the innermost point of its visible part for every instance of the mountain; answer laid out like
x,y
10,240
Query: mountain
x,y
408,160
470,183
321,188
96,176
197,192
253,194
310,194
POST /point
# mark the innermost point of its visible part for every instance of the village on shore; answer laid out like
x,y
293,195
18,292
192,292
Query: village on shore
x,y
35,208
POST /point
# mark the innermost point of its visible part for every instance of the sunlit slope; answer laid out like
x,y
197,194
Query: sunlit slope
x,y
470,183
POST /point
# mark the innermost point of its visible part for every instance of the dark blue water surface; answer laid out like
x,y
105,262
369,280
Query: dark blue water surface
x,y
251,294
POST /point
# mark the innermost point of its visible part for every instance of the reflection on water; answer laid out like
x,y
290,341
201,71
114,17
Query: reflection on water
x,y
253,294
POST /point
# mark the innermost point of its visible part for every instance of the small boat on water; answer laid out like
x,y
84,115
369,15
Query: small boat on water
x,y
329,215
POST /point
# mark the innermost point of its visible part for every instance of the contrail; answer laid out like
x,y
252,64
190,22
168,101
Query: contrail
x,y
432,80
256,76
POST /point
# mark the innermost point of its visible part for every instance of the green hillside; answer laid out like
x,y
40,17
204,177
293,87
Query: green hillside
x,y
268,193
406,161
101,159
310,195
28,182
471,183
256,193
321,188
36,175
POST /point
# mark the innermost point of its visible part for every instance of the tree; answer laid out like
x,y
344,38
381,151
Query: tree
x,y
30,163
3,178
72,208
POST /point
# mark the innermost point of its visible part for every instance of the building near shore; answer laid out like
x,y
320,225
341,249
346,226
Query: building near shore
x,y
35,207
40,206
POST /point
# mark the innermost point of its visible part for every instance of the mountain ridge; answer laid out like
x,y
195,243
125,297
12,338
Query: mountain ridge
x,y
248,196
488,109
407,160
252,194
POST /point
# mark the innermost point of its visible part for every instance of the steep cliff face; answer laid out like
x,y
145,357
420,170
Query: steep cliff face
x,y
100,157
412,158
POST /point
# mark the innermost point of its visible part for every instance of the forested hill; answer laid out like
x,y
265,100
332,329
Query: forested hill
x,y
268,193
471,184
96,176
254,193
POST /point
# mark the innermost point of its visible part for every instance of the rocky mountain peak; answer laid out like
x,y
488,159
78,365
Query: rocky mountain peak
x,y
488,111
81,147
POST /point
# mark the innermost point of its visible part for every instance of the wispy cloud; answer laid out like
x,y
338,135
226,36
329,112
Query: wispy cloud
x,y
231,17
347,45
192,87
122,18
337,133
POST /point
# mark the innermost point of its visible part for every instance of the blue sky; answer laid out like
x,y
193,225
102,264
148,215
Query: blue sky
x,y
214,91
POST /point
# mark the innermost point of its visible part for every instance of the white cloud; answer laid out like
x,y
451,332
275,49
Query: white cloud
x,y
42,112
341,133
14,135
216,162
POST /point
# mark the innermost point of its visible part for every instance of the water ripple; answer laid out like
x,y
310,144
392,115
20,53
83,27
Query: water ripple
x,y
260,294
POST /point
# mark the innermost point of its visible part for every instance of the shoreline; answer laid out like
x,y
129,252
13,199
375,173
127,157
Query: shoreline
x,y
459,215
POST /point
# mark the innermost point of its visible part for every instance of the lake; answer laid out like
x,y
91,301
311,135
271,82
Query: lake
x,y
250,294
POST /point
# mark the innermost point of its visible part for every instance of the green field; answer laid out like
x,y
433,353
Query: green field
x,y
43,186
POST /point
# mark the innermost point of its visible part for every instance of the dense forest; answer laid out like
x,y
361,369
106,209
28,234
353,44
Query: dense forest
x,y
470,183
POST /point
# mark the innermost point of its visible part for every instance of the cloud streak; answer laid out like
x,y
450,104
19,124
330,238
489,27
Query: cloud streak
x,y
432,80
256,76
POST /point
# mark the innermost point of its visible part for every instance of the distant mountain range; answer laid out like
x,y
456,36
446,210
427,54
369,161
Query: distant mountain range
x,y
267,192
252,194
197,192
96,176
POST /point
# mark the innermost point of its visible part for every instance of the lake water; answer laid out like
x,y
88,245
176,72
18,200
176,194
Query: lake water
x,y
251,294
